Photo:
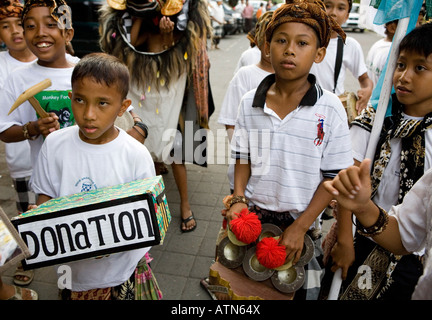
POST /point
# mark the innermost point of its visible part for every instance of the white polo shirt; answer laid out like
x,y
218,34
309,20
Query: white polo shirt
x,y
291,156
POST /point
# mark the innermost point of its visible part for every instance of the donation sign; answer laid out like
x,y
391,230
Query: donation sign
x,y
94,227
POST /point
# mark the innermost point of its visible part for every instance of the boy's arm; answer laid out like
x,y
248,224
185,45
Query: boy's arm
x,y
342,253
242,173
364,93
42,198
42,126
352,189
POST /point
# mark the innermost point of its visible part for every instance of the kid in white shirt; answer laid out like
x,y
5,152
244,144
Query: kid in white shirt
x,y
102,155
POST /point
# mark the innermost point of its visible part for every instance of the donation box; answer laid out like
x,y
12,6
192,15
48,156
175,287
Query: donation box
x,y
95,223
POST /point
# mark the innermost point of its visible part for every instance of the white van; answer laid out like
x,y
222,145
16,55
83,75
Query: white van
x,y
353,19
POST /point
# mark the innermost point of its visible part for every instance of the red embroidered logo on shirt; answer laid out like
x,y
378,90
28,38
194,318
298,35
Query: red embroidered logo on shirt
x,y
320,130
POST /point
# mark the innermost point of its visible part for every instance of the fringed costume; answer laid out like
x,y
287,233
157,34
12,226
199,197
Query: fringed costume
x,y
170,87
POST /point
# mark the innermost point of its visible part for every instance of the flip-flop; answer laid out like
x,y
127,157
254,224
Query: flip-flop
x,y
185,221
213,289
23,273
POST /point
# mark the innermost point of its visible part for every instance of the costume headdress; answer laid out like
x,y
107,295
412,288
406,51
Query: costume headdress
x,y
310,12
59,10
260,28
147,69
10,8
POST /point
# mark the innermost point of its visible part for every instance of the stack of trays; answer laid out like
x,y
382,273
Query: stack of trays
x,y
286,278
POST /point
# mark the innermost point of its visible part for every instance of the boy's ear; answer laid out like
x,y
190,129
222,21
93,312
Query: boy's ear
x,y
69,34
321,52
125,104
267,49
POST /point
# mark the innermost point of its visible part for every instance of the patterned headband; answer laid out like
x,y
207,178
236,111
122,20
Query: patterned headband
x,y
10,8
309,12
59,11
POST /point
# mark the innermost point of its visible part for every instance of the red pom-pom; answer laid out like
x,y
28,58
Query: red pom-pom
x,y
247,227
270,253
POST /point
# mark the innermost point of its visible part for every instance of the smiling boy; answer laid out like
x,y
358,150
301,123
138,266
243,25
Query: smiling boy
x,y
46,37
299,131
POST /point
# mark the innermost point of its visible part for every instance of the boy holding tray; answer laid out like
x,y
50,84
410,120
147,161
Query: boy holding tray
x,y
92,155
291,135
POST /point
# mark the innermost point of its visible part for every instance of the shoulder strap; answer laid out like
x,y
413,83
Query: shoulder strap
x,y
338,65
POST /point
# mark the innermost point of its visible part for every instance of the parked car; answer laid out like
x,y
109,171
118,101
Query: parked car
x,y
353,23
276,6
86,26
233,20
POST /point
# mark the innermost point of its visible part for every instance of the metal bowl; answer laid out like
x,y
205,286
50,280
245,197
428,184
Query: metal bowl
x,y
269,230
307,252
253,268
234,239
289,280
229,254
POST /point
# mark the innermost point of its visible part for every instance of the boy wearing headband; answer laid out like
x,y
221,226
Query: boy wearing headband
x,y
47,29
291,135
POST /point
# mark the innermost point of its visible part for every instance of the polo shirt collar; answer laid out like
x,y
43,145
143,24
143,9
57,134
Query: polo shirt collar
x,y
309,99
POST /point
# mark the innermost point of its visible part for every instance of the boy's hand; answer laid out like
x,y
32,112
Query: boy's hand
x,y
49,124
235,208
166,25
343,257
293,240
364,95
352,186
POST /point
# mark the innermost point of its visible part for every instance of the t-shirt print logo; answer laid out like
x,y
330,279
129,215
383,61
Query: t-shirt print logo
x,y
86,184
320,130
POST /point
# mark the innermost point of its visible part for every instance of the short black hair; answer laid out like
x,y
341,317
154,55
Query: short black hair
x,y
103,68
418,40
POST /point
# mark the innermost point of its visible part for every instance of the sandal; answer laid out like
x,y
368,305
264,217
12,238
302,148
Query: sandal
x,y
24,294
23,273
212,289
185,221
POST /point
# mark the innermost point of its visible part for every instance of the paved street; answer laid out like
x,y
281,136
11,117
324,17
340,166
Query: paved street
x,y
183,259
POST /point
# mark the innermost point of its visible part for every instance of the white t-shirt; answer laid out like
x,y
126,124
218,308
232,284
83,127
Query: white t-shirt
x,y
376,59
388,189
414,217
251,55
246,79
217,12
22,79
67,165
18,157
353,60
291,156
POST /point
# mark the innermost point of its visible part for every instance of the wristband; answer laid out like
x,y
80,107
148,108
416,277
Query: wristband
x,y
238,199
143,127
27,134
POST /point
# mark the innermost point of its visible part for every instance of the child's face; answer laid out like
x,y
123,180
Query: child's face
x,y
293,49
11,32
95,107
338,10
45,39
411,81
